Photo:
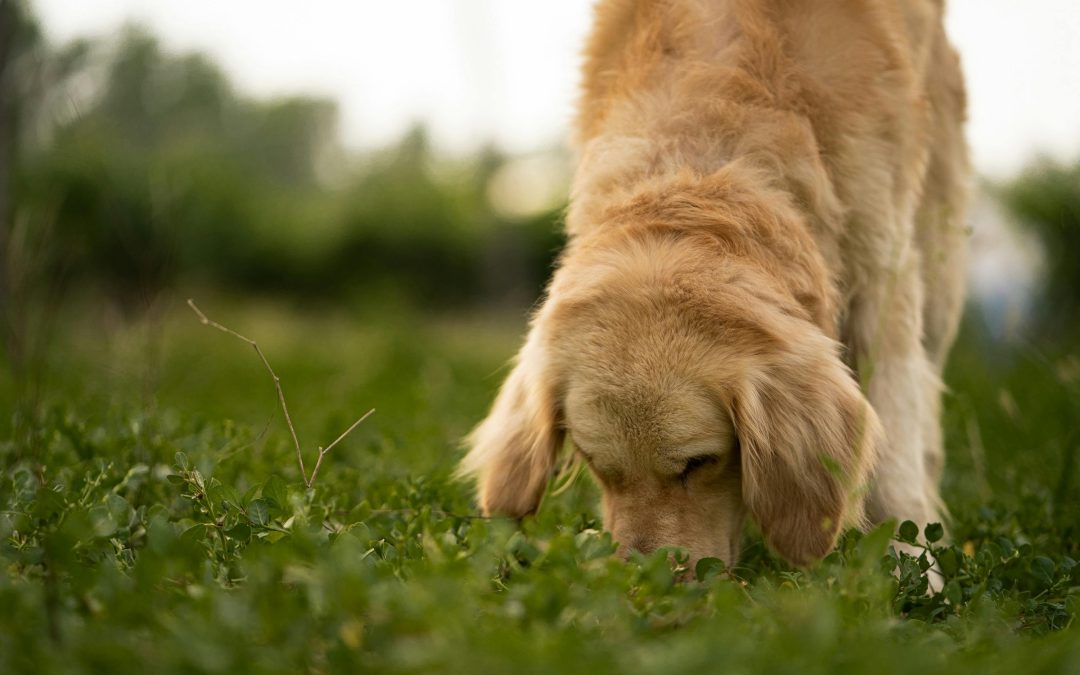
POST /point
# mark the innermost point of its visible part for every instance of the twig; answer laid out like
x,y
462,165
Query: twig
x,y
323,451
308,482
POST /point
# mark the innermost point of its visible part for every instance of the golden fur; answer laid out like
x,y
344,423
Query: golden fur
x,y
766,214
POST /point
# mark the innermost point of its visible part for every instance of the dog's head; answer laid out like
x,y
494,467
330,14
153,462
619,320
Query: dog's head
x,y
695,390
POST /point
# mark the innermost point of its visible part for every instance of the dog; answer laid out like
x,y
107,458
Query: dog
x,y
763,276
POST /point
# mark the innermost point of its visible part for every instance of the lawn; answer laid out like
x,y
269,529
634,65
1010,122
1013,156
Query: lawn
x,y
153,519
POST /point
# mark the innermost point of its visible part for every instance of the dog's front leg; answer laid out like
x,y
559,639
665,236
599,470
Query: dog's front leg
x,y
902,384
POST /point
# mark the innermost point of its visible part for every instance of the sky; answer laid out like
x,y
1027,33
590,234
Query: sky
x,y
506,71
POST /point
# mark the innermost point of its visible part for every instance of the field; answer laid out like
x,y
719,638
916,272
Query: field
x,y
153,518
153,513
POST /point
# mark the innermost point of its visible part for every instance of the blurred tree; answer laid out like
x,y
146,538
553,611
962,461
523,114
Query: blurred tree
x,y
20,43
403,225
163,169
9,22
149,169
293,140
1046,198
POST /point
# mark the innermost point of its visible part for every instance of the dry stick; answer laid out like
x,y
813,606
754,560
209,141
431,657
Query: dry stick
x,y
308,482
323,451
277,380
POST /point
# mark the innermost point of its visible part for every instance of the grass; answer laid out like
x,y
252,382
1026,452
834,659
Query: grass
x,y
152,516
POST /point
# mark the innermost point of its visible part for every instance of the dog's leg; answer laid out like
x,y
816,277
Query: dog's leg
x,y
942,240
902,383
941,236
903,391
941,231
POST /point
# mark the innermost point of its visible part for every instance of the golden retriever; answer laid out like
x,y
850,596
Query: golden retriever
x,y
764,274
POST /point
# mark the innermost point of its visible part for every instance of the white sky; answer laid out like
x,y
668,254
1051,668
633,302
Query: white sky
x,y
506,70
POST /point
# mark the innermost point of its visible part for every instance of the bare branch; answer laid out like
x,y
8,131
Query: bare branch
x,y
323,451
206,321
277,380
349,430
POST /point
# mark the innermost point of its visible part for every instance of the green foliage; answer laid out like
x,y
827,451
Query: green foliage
x,y
157,533
1043,588
152,171
143,527
1046,198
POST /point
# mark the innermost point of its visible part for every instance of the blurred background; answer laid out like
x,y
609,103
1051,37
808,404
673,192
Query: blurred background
x,y
374,161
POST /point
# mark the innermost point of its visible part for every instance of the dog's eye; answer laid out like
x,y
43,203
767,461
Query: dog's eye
x,y
695,463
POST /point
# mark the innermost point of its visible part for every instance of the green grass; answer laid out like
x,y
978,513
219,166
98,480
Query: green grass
x,y
152,518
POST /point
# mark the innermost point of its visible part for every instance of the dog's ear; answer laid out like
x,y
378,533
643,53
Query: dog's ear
x,y
513,451
808,439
